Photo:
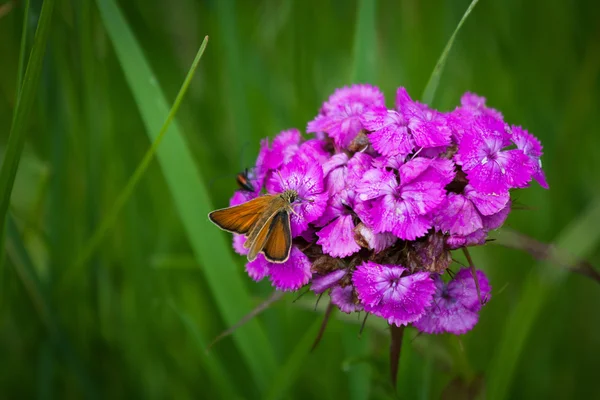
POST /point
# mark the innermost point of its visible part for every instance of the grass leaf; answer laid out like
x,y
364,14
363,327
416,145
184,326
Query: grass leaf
x,y
434,79
364,67
580,238
190,197
110,217
26,95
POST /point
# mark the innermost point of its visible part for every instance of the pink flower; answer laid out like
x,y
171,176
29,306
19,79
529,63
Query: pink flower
x,y
386,291
455,306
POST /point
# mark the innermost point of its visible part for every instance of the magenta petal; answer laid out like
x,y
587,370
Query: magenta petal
x,y
375,183
292,274
337,238
376,241
429,129
452,319
458,216
532,148
311,151
476,238
384,292
307,181
258,269
283,147
414,227
487,203
336,181
462,289
321,283
361,93
412,169
321,123
398,217
389,133
475,105
372,280
343,297
241,196
495,221
238,244
455,304
487,179
540,177
423,196
336,161
516,167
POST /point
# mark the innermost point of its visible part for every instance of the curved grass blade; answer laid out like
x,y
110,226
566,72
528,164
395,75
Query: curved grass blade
x,y
581,238
110,217
364,42
190,197
23,48
434,79
26,96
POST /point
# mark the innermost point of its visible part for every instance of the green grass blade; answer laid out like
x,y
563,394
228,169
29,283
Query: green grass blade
x,y
580,238
434,79
289,370
27,95
233,70
190,197
27,275
364,67
23,47
110,217
40,299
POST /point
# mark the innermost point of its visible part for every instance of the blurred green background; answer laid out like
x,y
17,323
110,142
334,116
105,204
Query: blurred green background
x,y
132,317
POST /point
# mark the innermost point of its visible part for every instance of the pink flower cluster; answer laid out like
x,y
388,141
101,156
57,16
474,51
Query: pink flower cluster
x,y
385,195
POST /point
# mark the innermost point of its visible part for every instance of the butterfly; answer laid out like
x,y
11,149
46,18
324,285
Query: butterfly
x,y
265,221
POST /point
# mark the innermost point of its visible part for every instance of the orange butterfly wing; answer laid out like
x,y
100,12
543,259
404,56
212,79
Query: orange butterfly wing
x,y
279,241
256,240
240,219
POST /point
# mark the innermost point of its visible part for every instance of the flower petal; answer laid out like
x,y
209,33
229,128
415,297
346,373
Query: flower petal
x,y
292,274
385,293
321,283
337,238
258,268
487,203
458,216
343,297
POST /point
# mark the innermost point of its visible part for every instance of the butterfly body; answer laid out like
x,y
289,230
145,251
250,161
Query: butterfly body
x,y
265,221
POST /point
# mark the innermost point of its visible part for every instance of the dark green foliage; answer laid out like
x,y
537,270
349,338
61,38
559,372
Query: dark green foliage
x,y
131,318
